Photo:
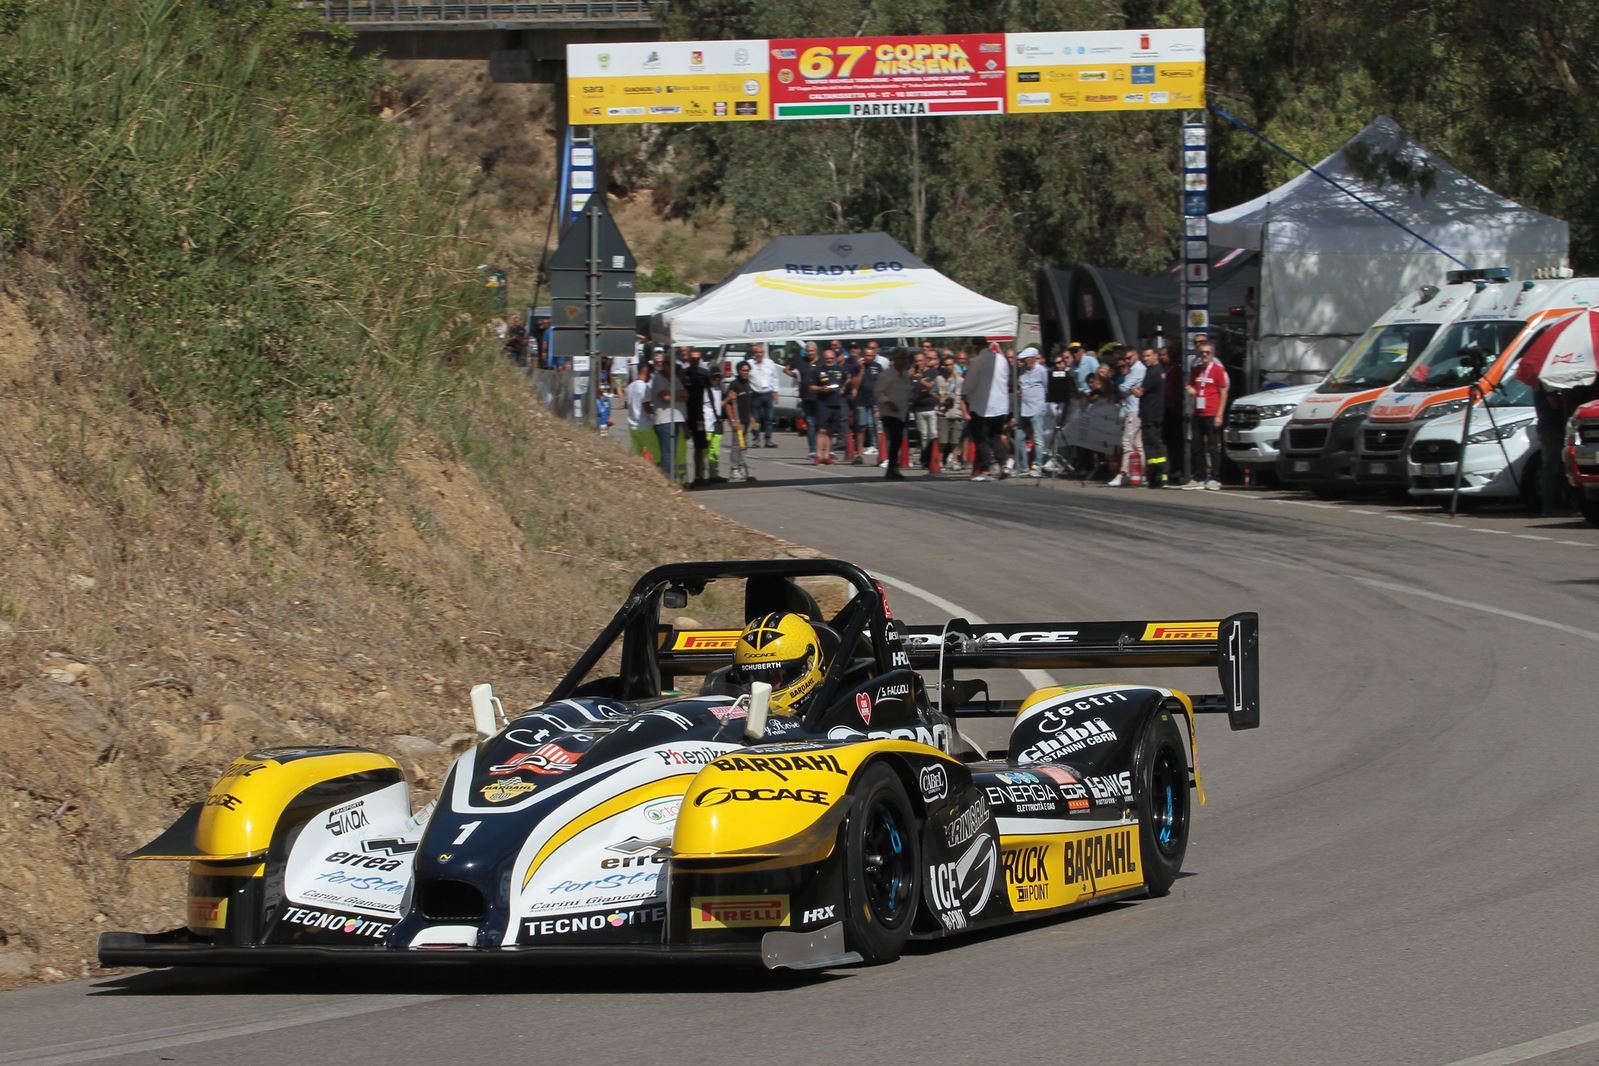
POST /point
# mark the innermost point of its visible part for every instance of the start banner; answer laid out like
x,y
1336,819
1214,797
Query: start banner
x,y
886,77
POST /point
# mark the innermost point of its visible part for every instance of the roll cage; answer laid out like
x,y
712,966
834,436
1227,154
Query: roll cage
x,y
654,656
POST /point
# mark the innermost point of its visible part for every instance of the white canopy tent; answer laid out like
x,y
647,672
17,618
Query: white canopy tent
x,y
1329,266
834,285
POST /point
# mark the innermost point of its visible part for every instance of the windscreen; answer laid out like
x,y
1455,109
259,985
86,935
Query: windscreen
x,y
1379,357
1511,392
1460,355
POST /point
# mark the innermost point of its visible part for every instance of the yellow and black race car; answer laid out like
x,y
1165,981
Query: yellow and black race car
x,y
754,760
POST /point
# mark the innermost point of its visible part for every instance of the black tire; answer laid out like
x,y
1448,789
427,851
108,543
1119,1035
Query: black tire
x,y
882,867
1589,504
1161,785
1531,486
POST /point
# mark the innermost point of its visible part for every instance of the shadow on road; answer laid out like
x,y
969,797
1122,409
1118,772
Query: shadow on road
x,y
527,980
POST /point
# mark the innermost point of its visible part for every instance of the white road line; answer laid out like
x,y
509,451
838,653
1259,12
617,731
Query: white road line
x,y
1495,532
205,1032
1532,1049
1532,536
1444,525
1356,510
1036,678
1402,518
1406,590
1575,543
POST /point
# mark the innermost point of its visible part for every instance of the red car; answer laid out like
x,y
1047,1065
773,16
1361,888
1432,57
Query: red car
x,y
1582,458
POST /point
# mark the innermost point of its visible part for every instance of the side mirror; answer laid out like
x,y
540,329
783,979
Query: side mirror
x,y
760,703
674,598
487,711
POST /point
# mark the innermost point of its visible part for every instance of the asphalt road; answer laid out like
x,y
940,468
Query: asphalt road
x,y
1398,867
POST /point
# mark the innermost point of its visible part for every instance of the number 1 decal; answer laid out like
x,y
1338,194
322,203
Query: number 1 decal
x,y
466,831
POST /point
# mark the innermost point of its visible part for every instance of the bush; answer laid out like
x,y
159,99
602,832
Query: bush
x,y
216,178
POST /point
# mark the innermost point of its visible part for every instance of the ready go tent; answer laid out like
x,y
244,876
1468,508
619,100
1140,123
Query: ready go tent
x,y
839,285
1329,265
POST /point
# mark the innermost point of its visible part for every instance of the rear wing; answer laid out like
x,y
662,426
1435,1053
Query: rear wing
x,y
1230,645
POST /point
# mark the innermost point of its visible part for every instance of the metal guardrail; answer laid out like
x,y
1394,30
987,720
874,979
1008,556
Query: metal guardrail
x,y
393,12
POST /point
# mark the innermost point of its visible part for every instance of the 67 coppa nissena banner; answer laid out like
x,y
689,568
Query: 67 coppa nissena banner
x,y
887,77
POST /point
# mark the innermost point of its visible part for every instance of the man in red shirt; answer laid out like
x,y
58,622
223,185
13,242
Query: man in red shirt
x,y
1207,384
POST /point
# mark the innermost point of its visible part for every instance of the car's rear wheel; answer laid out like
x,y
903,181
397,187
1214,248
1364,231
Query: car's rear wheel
x,y
882,882
1160,775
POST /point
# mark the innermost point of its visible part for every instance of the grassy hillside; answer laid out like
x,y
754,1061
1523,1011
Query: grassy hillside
x,y
265,478
504,139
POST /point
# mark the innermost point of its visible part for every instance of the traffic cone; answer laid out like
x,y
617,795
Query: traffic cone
x,y
969,454
849,442
905,451
933,464
1135,470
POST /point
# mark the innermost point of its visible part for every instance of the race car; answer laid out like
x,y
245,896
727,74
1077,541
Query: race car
x,y
752,761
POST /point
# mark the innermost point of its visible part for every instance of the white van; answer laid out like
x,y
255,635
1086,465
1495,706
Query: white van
x,y
1478,351
1501,455
1318,444
1255,424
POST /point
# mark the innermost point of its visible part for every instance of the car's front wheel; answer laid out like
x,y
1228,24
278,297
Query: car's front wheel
x,y
1160,774
1589,503
882,884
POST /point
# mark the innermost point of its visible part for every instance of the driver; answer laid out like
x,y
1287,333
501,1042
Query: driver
x,y
785,651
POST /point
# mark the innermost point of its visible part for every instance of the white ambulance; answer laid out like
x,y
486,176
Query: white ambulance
x,y
1463,364
1318,444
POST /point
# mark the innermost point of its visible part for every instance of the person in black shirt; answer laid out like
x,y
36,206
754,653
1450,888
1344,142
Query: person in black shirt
x,y
804,376
828,388
697,382
739,408
1058,392
864,401
516,340
1152,419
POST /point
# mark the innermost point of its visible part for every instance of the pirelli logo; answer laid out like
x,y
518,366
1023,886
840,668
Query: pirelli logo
x,y
1181,630
705,640
738,912
208,912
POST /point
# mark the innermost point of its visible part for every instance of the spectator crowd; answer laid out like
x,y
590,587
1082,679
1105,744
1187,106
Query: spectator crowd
x,y
1115,416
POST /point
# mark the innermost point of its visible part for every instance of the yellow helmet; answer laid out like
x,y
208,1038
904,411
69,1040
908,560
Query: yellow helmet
x,y
784,651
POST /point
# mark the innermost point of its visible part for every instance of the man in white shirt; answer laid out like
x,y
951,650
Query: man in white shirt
x,y
1129,386
640,426
985,398
765,376
1033,380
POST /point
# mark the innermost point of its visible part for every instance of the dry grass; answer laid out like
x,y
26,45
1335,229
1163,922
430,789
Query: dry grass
x,y
168,602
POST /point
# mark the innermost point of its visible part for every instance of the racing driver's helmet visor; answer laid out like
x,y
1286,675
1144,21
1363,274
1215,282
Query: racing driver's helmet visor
x,y
780,675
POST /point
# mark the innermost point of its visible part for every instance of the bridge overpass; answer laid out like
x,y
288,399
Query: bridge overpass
x,y
522,42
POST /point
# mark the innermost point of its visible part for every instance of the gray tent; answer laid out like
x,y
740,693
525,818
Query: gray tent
x,y
1095,305
1329,266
